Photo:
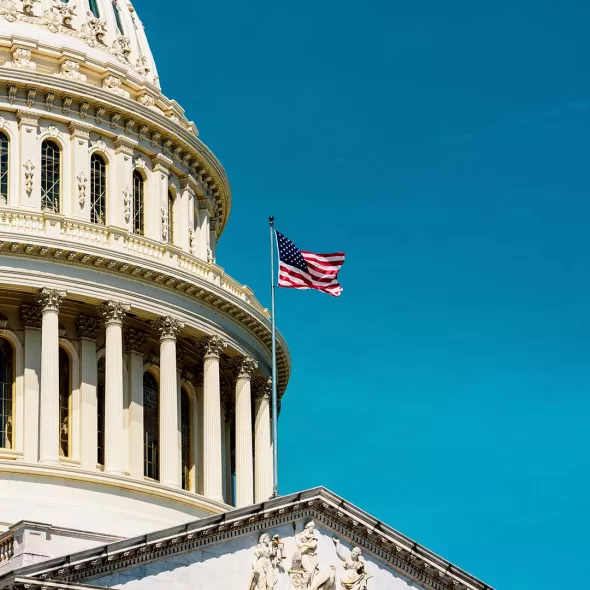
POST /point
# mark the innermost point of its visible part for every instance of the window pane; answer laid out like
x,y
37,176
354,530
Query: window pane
x,y
118,17
3,169
50,170
185,434
138,189
94,8
100,409
151,445
98,189
6,393
64,403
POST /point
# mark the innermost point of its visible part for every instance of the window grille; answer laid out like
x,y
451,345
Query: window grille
x,y
118,17
65,390
185,434
3,169
98,189
138,192
94,8
170,217
151,427
6,393
100,389
50,176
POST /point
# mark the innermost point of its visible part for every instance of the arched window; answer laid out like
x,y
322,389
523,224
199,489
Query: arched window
x,y
6,393
138,192
98,189
3,169
118,17
50,176
185,438
94,8
100,409
151,427
170,217
65,391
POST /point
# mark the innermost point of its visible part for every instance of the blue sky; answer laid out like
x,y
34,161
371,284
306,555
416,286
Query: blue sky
x,y
444,146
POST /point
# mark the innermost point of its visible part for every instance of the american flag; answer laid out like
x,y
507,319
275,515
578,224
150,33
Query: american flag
x,y
299,269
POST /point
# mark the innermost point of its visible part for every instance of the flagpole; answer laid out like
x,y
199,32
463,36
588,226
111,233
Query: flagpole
x,y
275,438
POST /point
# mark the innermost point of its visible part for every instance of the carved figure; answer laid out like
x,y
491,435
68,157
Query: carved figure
x,y
325,580
193,240
304,563
267,558
29,175
141,66
114,85
9,10
82,182
71,69
94,30
21,60
355,575
127,204
121,48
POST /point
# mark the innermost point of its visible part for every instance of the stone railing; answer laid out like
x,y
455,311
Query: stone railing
x,y
6,546
116,240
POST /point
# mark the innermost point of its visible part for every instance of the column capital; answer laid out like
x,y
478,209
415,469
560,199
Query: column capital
x,y
50,299
244,366
78,129
113,312
160,163
212,346
135,341
262,387
125,145
30,316
168,327
87,327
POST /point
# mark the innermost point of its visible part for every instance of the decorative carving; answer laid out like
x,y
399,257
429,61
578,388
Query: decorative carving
x,y
49,98
127,195
115,118
212,346
139,162
114,85
168,327
29,176
12,90
146,100
87,327
21,60
135,341
121,48
304,563
100,145
165,221
113,312
141,67
84,106
94,30
129,125
193,240
262,387
9,10
66,104
82,183
30,316
50,299
53,131
355,575
66,12
28,6
31,93
268,555
71,69
244,366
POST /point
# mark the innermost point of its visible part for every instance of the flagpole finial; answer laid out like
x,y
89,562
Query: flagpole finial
x,y
271,219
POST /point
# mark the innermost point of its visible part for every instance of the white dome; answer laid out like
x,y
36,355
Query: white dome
x,y
99,32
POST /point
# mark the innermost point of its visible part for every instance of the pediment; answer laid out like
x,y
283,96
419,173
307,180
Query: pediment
x,y
231,552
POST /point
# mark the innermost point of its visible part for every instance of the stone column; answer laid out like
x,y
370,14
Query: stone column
x,y
120,209
31,322
135,346
212,475
205,211
113,313
49,302
263,475
87,328
170,472
185,213
244,367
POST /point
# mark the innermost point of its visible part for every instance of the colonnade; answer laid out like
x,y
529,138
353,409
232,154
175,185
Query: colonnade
x,y
253,454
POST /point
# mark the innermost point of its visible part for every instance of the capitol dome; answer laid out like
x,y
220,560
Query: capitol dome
x,y
134,372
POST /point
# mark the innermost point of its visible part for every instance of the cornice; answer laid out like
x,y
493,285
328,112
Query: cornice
x,y
189,153
399,552
172,279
